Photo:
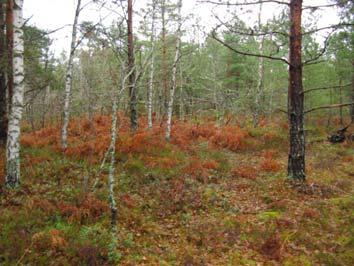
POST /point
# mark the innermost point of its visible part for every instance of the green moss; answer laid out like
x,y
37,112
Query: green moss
x,y
301,260
237,258
268,215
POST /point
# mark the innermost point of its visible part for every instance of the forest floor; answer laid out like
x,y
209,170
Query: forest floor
x,y
215,195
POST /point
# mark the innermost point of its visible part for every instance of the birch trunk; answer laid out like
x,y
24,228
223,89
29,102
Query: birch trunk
x,y
181,105
112,154
152,67
3,102
68,80
14,128
111,174
164,104
174,74
10,47
296,161
260,85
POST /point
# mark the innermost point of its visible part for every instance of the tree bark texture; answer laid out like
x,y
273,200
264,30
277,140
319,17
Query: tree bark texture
x,y
296,161
174,74
260,85
164,60
132,79
12,178
352,95
152,67
3,101
68,80
10,47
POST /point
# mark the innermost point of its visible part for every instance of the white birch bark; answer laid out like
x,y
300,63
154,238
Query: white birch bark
x,y
14,127
181,105
68,80
174,74
111,173
112,154
152,67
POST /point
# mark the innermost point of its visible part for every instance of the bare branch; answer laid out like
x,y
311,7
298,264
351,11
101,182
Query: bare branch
x,y
323,50
336,26
318,7
243,4
326,88
328,107
213,35
251,32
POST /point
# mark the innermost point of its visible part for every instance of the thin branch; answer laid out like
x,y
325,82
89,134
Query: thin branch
x,y
319,6
92,27
324,49
315,62
326,88
328,107
281,110
336,26
251,33
243,4
213,35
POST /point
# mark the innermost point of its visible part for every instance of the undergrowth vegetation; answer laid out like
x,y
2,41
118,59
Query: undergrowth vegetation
x,y
214,195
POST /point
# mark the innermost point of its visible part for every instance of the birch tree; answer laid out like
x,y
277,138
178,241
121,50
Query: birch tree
x,y
260,85
174,73
152,66
68,80
163,104
12,178
9,46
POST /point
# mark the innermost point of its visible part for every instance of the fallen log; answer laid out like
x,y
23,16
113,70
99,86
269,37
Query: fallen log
x,y
340,136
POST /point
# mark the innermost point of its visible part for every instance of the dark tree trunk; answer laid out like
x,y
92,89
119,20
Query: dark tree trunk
x,y
3,102
352,96
132,80
10,47
296,163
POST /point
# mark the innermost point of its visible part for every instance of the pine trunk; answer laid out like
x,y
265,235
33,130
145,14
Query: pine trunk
x,y
352,96
14,128
3,102
68,80
174,74
296,162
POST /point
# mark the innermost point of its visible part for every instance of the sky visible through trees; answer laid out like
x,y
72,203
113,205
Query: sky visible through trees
x,y
60,13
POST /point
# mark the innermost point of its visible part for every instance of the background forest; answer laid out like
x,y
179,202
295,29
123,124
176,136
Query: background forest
x,y
156,140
